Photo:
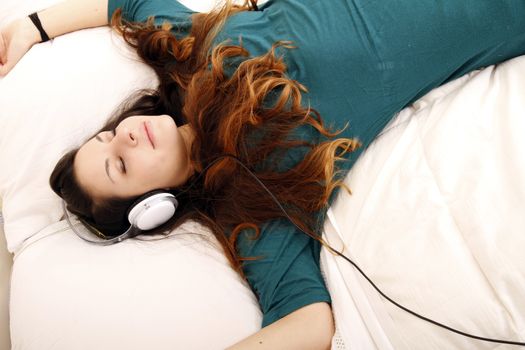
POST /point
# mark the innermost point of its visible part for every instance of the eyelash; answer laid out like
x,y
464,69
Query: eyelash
x,y
123,164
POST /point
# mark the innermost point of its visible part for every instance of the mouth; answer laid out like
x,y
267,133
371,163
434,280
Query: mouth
x,y
149,133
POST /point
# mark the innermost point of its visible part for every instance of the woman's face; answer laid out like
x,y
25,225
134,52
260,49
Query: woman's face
x,y
143,153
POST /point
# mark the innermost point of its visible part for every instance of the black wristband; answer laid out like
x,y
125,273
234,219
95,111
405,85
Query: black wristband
x,y
36,21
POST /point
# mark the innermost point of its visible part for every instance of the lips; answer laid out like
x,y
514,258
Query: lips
x,y
149,133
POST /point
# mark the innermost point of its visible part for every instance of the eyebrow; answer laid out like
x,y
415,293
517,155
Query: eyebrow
x,y
106,163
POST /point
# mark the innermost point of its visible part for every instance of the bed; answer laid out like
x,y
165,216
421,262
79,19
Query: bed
x,y
435,219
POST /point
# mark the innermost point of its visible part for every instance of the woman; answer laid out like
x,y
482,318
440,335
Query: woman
x,y
361,63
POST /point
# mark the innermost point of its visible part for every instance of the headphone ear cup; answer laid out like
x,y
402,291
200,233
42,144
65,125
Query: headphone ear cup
x,y
152,210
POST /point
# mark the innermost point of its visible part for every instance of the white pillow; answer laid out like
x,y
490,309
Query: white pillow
x,y
67,294
178,293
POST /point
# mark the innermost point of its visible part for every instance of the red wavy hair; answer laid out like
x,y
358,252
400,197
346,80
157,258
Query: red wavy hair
x,y
251,114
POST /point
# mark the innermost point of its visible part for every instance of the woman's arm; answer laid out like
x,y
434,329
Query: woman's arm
x,y
310,327
73,15
18,37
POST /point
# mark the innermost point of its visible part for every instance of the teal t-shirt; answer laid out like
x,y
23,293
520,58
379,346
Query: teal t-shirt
x,y
362,62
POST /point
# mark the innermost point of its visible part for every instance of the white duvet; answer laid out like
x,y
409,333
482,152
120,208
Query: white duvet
x,y
437,221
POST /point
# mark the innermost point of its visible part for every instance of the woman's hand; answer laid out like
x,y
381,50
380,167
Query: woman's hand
x,y
15,40
65,17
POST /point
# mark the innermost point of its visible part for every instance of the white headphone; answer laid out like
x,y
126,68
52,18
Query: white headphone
x,y
148,212
152,210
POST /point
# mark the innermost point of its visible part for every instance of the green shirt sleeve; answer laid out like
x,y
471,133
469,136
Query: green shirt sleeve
x,y
171,11
287,275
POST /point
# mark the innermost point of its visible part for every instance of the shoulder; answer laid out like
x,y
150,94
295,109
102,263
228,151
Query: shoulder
x,y
140,10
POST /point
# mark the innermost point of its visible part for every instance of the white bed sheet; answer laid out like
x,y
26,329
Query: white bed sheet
x,y
437,220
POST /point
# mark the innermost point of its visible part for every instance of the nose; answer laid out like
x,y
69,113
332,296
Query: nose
x,y
125,137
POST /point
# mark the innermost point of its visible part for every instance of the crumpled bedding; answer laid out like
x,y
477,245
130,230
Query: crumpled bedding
x,y
437,220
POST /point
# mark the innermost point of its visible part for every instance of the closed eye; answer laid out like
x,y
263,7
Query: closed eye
x,y
122,165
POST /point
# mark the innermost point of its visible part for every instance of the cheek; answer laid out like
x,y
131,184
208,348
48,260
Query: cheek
x,y
158,169
143,169
161,168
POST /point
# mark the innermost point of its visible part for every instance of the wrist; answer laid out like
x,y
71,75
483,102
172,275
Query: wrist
x,y
29,32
